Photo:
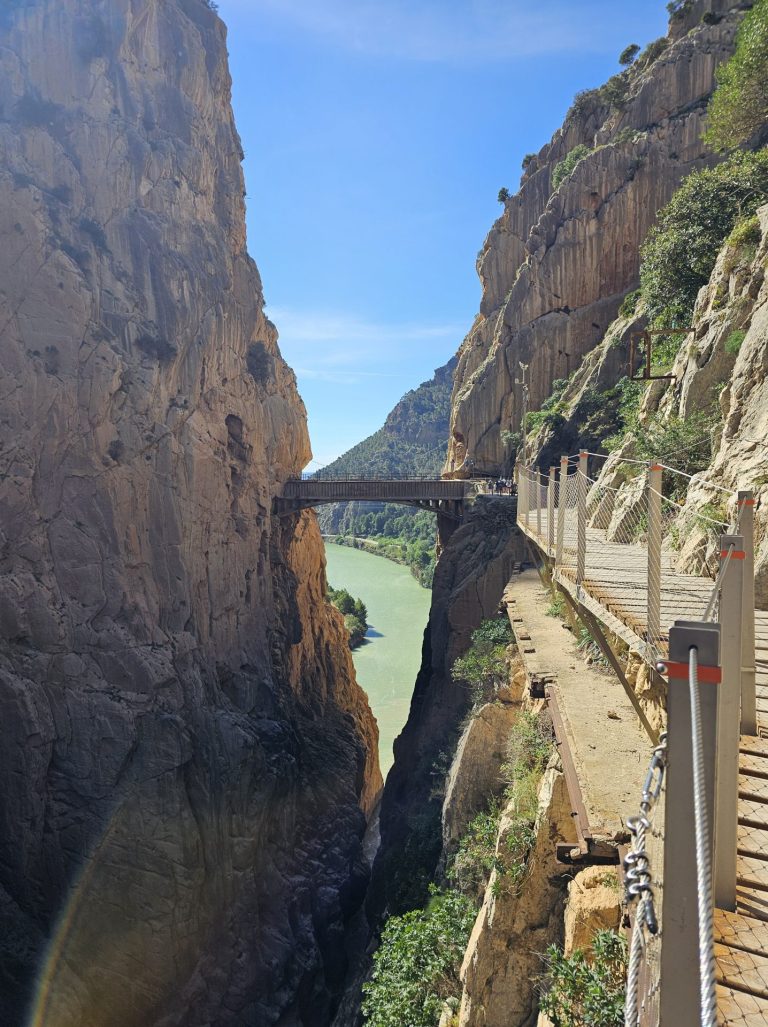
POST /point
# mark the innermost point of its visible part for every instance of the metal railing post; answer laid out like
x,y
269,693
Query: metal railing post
x,y
551,511
581,518
653,572
525,485
747,530
537,473
562,499
728,721
679,979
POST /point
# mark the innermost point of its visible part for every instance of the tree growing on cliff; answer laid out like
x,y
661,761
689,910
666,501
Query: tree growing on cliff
x,y
628,54
504,195
739,108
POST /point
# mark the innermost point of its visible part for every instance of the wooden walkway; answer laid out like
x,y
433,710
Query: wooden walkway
x,y
614,589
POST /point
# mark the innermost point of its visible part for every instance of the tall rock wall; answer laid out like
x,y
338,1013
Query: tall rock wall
x,y
558,262
185,757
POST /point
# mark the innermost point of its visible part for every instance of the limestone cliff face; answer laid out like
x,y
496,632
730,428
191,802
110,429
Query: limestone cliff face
x,y
724,361
185,757
558,262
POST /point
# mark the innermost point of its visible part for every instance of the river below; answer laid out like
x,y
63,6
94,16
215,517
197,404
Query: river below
x,y
389,659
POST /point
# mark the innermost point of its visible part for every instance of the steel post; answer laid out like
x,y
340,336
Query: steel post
x,y
728,721
525,485
747,530
679,979
653,573
551,511
562,499
537,474
581,518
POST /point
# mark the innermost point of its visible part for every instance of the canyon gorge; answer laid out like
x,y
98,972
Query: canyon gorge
x,y
188,766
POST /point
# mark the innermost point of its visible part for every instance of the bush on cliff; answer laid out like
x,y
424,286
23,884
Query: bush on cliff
x,y
680,251
416,967
564,168
739,107
484,667
586,990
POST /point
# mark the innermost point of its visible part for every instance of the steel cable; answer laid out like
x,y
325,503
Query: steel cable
x,y
703,859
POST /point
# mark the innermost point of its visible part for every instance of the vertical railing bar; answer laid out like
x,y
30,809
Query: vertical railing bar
x,y
537,479
562,497
581,518
746,529
551,511
728,722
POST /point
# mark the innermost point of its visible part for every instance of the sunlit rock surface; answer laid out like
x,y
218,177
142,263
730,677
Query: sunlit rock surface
x,y
558,262
185,757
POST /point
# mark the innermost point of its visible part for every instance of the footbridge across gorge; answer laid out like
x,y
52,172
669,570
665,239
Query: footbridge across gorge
x,y
624,555
444,497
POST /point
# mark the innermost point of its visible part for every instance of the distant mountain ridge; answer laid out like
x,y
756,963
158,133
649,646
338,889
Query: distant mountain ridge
x,y
412,440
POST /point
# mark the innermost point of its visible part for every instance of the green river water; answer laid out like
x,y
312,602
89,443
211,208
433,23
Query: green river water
x,y
388,661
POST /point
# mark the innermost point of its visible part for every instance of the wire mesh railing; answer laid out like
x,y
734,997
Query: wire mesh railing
x,y
680,577
591,527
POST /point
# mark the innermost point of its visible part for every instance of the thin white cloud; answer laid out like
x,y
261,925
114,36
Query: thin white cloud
x,y
322,326
347,350
455,31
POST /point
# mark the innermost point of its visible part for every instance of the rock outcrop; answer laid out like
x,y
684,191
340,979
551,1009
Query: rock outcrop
x,y
557,264
722,364
470,578
516,924
185,757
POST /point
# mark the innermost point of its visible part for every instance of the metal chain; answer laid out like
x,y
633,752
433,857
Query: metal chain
x,y
638,881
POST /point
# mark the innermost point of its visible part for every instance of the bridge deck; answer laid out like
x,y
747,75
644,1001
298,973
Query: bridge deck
x,y
440,496
614,589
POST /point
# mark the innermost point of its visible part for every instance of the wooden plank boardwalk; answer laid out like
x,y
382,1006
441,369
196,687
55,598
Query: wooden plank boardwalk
x,y
614,589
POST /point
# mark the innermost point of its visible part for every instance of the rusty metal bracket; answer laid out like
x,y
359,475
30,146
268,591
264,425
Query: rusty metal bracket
x,y
647,337
588,849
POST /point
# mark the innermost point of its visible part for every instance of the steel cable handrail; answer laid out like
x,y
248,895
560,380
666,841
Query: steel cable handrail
x,y
707,988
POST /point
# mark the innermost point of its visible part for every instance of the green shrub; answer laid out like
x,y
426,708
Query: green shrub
x,y
684,443
628,55
587,990
680,250
615,90
504,195
652,52
354,612
746,233
739,106
557,607
734,341
564,167
629,303
480,850
528,159
416,967
484,666
584,103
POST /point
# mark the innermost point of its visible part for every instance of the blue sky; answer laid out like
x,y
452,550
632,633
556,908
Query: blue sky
x,y
377,135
